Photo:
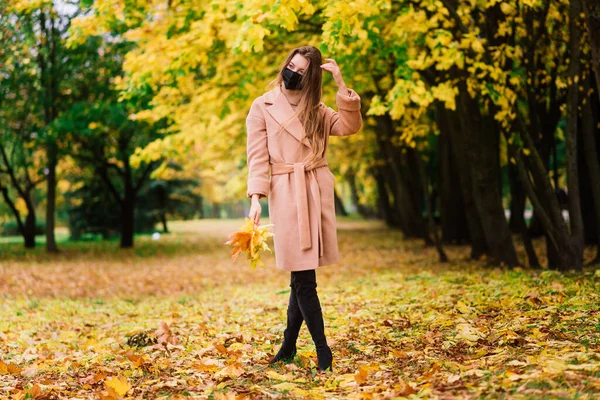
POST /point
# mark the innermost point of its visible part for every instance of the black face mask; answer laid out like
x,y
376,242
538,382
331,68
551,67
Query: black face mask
x,y
291,79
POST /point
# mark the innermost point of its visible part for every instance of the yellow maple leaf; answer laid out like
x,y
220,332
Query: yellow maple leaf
x,y
119,384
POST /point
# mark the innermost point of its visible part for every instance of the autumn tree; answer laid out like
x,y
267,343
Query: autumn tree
x,y
21,120
483,87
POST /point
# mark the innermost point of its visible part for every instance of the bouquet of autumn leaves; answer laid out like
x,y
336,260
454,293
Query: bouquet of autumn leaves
x,y
252,239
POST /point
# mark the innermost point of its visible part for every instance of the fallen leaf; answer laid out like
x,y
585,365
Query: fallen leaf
x,y
164,335
119,384
284,386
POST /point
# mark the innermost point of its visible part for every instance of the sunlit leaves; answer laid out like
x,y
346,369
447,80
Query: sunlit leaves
x,y
251,239
397,322
206,61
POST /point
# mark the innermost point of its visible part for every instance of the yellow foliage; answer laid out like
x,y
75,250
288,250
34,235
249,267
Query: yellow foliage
x,y
207,70
252,239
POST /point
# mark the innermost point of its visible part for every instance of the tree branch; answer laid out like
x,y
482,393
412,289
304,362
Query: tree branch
x,y
144,176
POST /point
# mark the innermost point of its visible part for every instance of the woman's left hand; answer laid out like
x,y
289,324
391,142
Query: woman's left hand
x,y
333,67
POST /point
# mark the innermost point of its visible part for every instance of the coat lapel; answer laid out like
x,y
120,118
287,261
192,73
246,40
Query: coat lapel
x,y
281,110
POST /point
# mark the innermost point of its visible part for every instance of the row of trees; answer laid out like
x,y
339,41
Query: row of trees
x,y
470,107
458,94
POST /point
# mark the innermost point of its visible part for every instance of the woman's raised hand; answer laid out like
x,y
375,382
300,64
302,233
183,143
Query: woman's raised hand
x,y
333,67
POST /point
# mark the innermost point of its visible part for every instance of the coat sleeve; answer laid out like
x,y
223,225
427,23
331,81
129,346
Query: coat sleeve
x,y
257,152
348,119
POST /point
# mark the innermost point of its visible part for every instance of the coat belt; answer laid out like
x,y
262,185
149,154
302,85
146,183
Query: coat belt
x,y
299,169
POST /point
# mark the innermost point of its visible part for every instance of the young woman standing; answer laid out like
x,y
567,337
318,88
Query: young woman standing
x,y
288,134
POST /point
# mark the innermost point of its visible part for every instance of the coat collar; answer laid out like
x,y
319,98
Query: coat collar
x,y
281,110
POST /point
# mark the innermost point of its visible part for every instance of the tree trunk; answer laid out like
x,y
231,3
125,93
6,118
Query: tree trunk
x,y
575,259
432,231
339,205
517,217
383,199
545,203
414,186
592,12
351,179
13,208
49,86
586,191
51,198
590,150
408,214
163,220
29,227
200,207
128,203
483,137
461,150
127,221
216,210
26,228
455,228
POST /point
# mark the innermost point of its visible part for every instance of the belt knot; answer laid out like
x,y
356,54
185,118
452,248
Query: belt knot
x,y
299,170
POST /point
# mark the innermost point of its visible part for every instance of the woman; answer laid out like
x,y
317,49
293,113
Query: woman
x,y
288,133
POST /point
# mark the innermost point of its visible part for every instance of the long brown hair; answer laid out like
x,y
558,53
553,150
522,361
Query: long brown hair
x,y
308,110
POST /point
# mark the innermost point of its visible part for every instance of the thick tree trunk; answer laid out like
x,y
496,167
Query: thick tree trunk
x,y
384,204
455,228
590,150
586,191
49,82
576,258
483,137
409,214
127,221
592,12
432,231
517,217
129,199
414,186
461,150
561,250
517,200
29,228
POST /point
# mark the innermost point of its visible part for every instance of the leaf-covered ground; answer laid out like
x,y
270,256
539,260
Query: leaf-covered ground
x,y
399,323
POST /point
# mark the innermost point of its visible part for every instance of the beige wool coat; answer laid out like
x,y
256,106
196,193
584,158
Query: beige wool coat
x,y
300,199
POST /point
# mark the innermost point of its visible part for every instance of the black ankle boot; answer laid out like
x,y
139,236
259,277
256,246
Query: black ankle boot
x,y
287,352
308,301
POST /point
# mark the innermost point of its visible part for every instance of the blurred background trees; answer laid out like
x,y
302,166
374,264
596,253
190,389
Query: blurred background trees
x,y
481,117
